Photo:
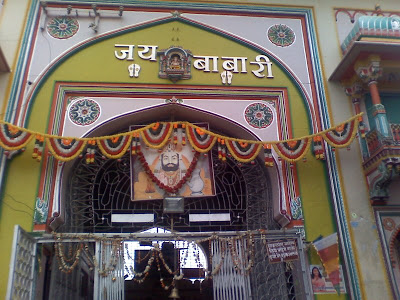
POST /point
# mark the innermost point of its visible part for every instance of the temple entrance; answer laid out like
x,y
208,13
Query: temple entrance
x,y
91,255
227,265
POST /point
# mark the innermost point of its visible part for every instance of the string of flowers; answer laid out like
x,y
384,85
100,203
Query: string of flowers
x,y
146,270
67,262
91,257
235,259
128,254
251,252
174,279
13,138
218,267
114,257
196,254
155,255
185,257
132,132
211,255
70,257
169,270
139,259
62,261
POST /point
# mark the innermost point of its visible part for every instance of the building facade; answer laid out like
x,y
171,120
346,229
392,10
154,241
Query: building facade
x,y
242,127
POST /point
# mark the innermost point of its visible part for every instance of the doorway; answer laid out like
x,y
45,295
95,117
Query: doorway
x,y
238,266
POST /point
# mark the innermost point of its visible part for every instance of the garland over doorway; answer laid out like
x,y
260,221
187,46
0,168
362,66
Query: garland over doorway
x,y
156,136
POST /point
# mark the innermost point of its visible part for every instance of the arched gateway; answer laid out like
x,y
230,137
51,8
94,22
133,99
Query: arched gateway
x,y
232,228
164,132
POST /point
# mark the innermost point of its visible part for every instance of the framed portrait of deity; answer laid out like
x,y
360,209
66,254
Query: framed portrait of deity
x,y
171,168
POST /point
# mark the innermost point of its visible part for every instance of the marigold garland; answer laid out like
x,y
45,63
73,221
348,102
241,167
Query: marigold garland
x,y
243,158
353,131
68,261
197,145
64,154
12,138
328,135
162,140
293,158
117,151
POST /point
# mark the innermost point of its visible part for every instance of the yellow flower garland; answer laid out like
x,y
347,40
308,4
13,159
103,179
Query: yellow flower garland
x,y
62,158
162,144
353,134
4,146
292,160
243,160
193,144
120,154
135,132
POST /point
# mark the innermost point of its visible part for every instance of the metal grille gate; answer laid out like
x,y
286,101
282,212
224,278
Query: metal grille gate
x,y
228,283
244,190
109,287
21,276
98,190
266,280
276,281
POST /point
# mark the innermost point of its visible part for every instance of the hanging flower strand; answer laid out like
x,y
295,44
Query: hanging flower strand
x,y
156,135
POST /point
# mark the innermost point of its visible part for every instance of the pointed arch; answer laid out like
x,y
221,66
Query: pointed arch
x,y
314,122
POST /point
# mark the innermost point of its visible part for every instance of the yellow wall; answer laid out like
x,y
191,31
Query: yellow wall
x,y
97,63
373,277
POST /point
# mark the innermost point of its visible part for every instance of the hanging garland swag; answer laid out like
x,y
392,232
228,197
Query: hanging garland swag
x,y
157,135
229,245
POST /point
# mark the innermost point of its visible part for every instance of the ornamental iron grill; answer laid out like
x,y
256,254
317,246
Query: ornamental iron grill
x,y
98,190
234,280
21,277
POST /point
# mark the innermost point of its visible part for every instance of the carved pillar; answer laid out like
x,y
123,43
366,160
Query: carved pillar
x,y
355,91
369,72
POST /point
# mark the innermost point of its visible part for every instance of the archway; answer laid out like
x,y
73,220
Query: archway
x,y
243,191
248,192
103,188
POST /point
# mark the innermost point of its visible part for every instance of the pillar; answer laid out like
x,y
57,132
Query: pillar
x,y
369,72
355,91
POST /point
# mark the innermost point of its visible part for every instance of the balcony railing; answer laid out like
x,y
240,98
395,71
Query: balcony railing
x,y
376,142
395,128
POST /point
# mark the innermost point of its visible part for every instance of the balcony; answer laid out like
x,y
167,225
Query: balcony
x,y
381,162
382,148
370,34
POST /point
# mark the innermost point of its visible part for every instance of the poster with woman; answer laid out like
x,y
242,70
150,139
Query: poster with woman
x,y
321,284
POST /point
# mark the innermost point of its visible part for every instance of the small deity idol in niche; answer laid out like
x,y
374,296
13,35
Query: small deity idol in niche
x,y
175,62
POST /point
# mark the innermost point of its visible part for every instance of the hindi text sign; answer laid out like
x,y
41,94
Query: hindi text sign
x,y
279,251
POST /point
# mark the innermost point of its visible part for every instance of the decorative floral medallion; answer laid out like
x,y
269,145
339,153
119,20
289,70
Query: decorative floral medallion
x,y
258,115
84,112
62,27
281,35
388,224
